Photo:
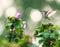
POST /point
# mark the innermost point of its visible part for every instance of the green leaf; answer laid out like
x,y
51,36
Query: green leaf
x,y
39,35
41,41
46,35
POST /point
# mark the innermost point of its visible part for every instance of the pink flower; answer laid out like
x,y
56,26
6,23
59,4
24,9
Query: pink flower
x,y
25,32
19,15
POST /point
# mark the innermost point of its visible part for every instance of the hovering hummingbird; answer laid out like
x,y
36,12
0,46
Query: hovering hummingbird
x,y
48,14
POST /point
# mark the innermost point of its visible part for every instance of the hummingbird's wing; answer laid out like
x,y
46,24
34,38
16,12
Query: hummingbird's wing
x,y
50,14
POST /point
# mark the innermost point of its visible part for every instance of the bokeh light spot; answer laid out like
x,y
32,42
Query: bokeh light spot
x,y
35,15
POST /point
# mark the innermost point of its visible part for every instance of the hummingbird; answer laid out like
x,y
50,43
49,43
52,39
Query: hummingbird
x,y
47,14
